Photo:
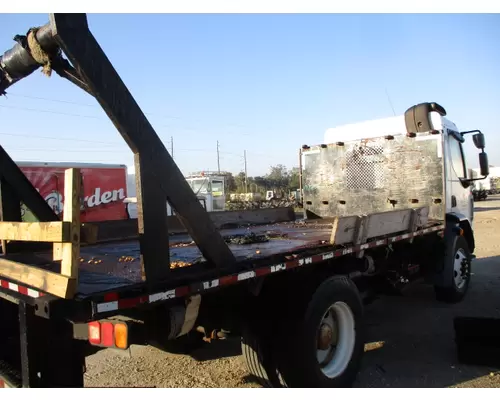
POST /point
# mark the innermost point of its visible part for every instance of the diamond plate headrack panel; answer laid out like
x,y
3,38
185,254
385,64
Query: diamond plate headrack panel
x,y
374,175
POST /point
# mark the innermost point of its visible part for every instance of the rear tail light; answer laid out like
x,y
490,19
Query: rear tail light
x,y
121,336
108,334
107,330
94,332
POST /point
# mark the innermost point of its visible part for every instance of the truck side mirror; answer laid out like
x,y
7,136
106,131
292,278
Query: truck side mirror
x,y
478,140
483,164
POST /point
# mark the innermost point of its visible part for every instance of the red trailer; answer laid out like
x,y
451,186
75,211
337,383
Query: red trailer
x,y
103,194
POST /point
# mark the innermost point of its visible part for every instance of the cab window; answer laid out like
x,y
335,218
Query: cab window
x,y
457,157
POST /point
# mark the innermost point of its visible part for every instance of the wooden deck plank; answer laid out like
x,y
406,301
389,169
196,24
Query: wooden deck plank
x,y
46,281
56,231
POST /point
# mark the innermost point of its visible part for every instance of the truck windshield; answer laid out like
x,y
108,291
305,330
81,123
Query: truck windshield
x,y
200,185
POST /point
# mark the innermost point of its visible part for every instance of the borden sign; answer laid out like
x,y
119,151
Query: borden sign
x,y
104,189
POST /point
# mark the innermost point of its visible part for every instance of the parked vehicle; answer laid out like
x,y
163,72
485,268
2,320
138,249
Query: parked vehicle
x,y
387,204
104,188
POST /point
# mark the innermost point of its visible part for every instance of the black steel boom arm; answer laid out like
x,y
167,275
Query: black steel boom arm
x,y
158,178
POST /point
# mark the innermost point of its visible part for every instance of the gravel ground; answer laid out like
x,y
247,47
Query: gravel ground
x,y
417,334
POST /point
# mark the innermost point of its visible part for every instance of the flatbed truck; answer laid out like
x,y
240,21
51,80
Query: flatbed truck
x,y
386,204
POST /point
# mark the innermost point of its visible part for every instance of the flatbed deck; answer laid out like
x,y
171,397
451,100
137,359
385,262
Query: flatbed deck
x,y
116,266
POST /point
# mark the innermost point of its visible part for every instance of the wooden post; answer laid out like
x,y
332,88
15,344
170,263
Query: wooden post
x,y
71,213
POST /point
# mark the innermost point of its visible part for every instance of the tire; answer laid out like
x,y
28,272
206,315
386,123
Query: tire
x,y
457,251
298,351
258,356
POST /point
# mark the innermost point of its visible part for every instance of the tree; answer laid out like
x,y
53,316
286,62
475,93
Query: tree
x,y
294,183
240,182
230,183
278,178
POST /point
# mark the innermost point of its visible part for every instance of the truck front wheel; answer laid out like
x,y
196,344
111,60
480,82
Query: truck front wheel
x,y
457,267
323,345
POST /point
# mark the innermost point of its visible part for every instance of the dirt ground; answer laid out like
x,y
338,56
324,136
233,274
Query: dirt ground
x,y
417,334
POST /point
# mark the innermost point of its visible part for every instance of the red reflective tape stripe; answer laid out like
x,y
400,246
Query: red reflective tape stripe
x,y
292,264
2,384
182,291
263,271
111,297
227,280
128,303
317,258
5,284
22,290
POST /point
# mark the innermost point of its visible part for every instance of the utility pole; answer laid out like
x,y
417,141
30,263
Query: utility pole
x,y
246,175
172,146
218,158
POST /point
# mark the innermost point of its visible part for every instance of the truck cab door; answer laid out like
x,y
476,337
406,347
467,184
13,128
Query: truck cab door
x,y
458,196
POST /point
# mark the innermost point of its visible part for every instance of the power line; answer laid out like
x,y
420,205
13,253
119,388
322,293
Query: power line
x,y
79,104
56,138
390,102
41,150
93,150
51,112
99,118
98,106
54,100
38,110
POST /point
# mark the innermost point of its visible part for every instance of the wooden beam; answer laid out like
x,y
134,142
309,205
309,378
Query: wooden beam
x,y
71,215
24,189
49,282
57,251
35,231
72,34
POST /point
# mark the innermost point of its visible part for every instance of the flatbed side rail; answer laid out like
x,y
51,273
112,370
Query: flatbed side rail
x,y
65,236
114,301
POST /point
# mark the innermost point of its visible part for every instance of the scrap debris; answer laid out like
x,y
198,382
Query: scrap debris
x,y
126,259
183,244
93,260
179,264
248,238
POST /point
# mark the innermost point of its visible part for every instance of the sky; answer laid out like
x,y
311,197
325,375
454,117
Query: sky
x,y
264,84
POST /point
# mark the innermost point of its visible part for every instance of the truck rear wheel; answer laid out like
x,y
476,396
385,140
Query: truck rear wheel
x,y
257,353
323,345
457,266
